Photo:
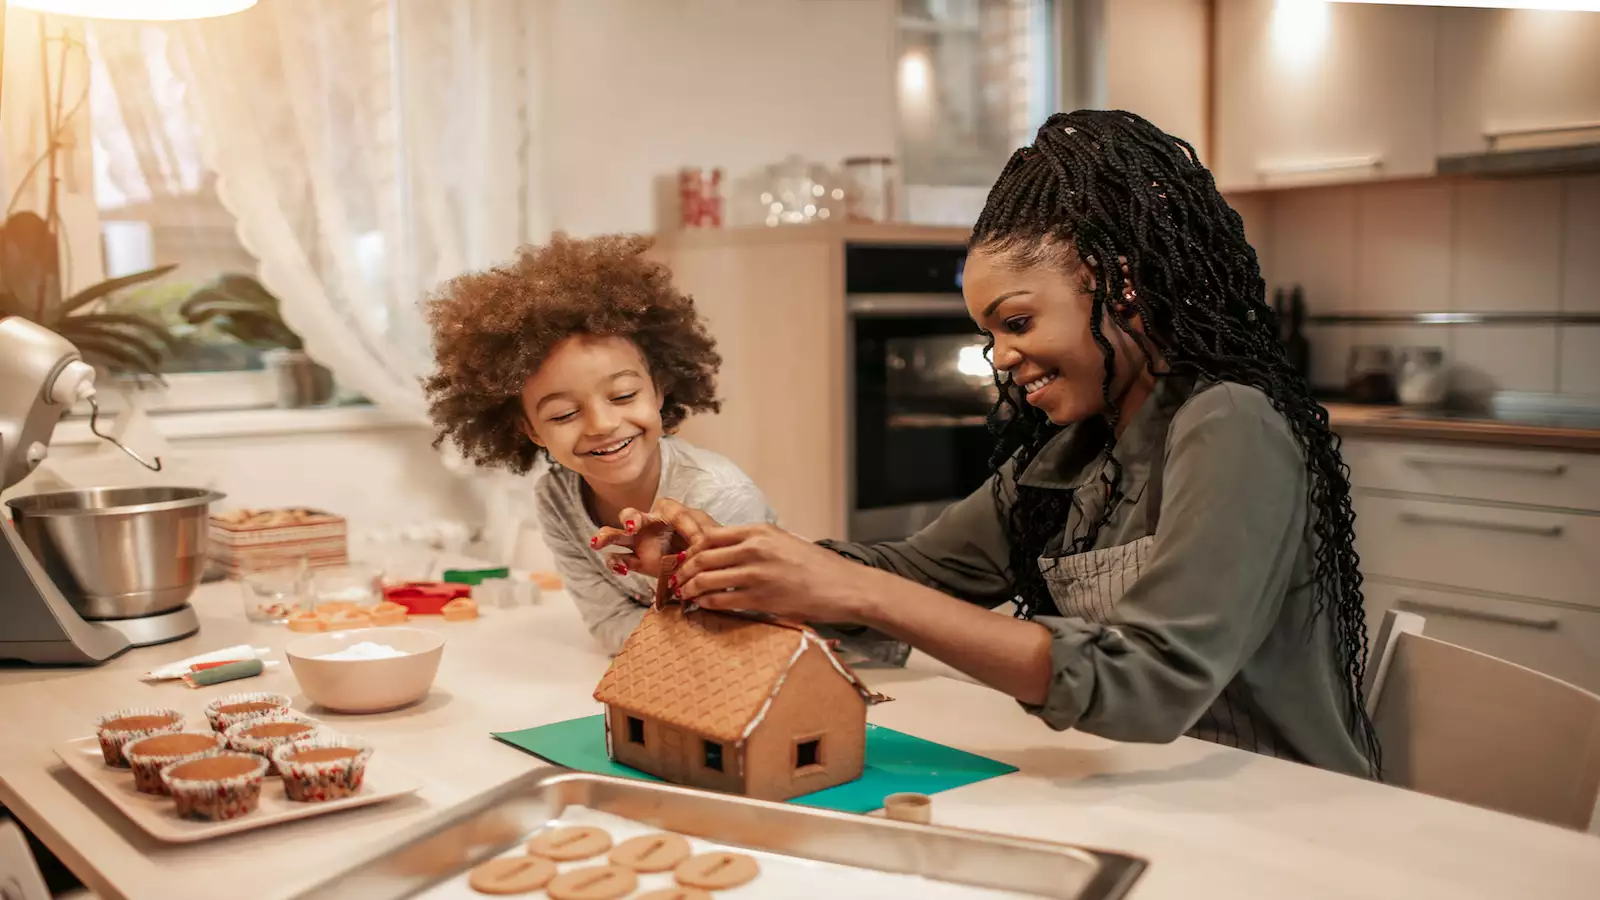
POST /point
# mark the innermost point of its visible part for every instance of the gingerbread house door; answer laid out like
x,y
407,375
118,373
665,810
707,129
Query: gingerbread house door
x,y
674,755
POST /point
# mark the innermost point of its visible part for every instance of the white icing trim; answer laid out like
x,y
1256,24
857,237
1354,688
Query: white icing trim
x,y
855,680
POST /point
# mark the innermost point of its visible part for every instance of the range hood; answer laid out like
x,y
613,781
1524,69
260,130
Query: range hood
x,y
1574,159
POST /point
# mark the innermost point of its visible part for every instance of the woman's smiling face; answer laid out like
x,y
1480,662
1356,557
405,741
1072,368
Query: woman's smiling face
x,y
1039,314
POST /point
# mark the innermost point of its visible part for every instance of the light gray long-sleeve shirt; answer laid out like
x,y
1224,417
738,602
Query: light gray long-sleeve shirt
x,y
612,604
1192,613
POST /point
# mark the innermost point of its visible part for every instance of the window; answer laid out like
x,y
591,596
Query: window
x,y
807,755
157,201
713,755
635,731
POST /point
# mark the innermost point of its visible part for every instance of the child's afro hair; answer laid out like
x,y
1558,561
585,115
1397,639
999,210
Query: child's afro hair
x,y
493,329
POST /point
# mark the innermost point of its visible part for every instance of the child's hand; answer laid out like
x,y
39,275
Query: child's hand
x,y
646,539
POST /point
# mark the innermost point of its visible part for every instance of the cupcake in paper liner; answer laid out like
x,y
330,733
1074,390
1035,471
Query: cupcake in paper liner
x,y
217,785
225,711
263,734
325,767
149,755
125,726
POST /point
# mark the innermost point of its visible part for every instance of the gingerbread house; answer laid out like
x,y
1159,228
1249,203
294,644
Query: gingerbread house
x,y
736,704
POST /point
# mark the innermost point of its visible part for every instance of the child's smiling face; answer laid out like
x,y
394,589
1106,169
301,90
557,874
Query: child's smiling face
x,y
594,407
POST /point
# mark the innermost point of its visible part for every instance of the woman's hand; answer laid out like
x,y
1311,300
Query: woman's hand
x,y
762,568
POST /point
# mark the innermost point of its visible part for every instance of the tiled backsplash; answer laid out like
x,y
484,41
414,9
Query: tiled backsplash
x,y
1444,245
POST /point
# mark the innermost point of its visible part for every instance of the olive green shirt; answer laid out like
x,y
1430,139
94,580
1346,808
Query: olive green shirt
x,y
1192,611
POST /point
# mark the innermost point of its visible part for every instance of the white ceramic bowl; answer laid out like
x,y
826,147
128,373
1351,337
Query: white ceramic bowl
x,y
366,685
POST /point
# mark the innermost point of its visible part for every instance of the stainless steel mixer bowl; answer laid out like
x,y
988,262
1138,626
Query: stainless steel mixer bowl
x,y
119,553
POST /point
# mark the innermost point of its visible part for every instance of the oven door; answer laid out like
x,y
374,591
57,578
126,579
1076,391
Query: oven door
x,y
921,392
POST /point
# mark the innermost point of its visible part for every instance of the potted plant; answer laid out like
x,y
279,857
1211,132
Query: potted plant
x,y
238,306
30,287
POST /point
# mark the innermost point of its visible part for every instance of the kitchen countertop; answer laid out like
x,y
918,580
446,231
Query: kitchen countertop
x,y
1212,821
1355,420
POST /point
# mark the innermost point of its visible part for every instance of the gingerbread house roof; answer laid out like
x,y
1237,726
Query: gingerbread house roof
x,y
709,673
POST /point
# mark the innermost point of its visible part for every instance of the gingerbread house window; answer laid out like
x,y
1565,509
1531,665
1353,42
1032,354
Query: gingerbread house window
x,y
635,731
808,755
713,755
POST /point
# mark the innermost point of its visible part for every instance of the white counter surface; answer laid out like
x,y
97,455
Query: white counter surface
x,y
1211,821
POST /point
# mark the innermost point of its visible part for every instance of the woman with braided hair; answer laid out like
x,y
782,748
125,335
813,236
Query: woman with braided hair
x,y
1169,511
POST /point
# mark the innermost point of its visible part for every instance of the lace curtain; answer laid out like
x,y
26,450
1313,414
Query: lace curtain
x,y
367,149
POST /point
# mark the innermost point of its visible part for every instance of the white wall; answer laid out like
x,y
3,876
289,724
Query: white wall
x,y
636,89
1444,245
375,477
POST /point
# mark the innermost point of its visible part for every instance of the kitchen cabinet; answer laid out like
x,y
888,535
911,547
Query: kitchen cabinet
x,y
1318,93
774,299
1561,642
1494,547
1516,79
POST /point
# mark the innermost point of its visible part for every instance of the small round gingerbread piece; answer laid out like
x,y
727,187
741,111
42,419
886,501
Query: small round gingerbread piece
x,y
512,875
594,883
649,853
570,844
675,893
716,871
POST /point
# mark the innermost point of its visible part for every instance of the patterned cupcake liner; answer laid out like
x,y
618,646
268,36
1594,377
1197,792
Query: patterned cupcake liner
x,y
147,766
310,782
112,742
220,722
216,799
263,746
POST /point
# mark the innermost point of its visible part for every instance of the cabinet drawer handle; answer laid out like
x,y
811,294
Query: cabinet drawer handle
x,y
1487,465
1495,134
1415,518
1316,166
1426,606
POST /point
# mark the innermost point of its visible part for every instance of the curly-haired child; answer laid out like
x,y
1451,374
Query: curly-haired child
x,y
583,352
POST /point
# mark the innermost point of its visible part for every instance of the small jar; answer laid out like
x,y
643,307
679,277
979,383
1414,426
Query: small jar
x,y
1422,377
871,188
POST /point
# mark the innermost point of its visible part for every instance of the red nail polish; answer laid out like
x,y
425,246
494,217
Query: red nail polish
x,y
620,569
683,556
673,582
629,524
594,542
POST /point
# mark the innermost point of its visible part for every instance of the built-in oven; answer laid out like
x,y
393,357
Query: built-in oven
x,y
920,388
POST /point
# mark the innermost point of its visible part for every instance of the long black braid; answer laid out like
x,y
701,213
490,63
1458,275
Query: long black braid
x,y
1103,185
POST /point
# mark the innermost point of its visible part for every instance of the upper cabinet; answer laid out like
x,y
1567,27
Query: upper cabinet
x,y
1517,79
1309,92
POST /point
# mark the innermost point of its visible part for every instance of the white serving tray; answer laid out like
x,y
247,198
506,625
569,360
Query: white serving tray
x,y
158,816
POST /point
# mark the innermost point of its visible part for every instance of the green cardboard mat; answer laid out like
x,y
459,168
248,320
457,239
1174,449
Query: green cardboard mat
x,y
895,762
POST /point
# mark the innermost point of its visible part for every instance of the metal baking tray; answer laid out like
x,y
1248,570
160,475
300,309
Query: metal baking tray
x,y
499,820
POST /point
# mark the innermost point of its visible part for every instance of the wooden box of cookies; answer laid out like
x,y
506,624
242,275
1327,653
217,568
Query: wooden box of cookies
x,y
238,536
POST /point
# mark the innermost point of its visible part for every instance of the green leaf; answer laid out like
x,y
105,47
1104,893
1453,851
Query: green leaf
x,y
30,266
215,303
109,355
110,286
130,342
157,332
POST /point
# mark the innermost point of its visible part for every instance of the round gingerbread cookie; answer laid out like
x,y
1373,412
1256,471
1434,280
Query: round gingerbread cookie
x,y
716,871
512,875
594,883
660,852
570,844
675,893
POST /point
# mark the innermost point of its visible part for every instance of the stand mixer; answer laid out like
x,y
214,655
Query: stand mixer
x,y
89,538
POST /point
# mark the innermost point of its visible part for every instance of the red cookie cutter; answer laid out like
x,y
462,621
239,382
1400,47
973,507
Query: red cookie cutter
x,y
425,598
